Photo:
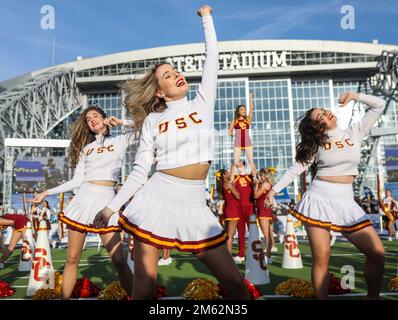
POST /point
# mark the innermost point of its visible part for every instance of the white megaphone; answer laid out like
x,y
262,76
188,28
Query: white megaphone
x,y
42,271
291,253
256,261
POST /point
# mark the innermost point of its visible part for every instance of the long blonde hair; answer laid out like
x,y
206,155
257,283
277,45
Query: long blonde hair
x,y
81,135
268,174
139,97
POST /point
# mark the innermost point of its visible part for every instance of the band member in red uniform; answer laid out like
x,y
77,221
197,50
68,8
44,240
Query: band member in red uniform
x,y
18,223
261,189
244,185
241,125
231,205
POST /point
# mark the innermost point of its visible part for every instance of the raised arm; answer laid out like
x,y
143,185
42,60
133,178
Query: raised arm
x,y
142,166
376,108
208,87
251,107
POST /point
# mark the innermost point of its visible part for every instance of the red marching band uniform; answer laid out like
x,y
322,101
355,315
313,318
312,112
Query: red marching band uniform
x,y
242,137
244,185
231,206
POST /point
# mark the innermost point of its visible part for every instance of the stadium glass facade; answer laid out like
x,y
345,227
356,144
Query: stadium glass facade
x,y
278,103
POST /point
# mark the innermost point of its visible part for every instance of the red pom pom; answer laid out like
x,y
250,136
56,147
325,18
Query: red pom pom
x,y
84,288
160,292
335,286
253,290
6,290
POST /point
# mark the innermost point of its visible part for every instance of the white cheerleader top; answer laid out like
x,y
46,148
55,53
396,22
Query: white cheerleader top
x,y
100,160
183,133
340,156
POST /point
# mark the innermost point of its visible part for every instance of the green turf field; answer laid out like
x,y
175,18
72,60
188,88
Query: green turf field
x,y
96,266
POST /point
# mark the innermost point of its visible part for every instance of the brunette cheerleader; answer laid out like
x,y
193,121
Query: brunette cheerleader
x,y
329,203
97,157
264,214
169,210
241,125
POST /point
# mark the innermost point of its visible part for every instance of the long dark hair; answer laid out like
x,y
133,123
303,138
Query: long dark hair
x,y
236,116
81,135
313,135
48,205
219,182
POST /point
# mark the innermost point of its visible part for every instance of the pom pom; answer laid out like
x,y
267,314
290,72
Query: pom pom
x,y
6,290
46,294
253,290
335,285
114,291
84,288
296,288
160,292
393,284
202,289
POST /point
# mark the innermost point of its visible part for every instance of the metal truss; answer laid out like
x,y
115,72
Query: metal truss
x,y
32,109
383,82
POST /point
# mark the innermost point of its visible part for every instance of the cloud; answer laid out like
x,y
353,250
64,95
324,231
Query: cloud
x,y
282,19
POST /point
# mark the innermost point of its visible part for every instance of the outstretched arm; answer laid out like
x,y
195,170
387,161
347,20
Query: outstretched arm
x,y
208,87
251,107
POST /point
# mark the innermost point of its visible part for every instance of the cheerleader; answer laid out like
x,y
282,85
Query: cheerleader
x,y
231,205
169,210
241,125
44,214
390,210
97,157
244,184
328,204
264,215
18,223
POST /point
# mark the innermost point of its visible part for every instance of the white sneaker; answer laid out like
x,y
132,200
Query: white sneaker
x,y
396,235
239,260
169,260
389,238
281,238
274,249
164,262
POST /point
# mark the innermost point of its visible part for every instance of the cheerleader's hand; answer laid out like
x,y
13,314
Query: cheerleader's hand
x,y
204,11
102,218
269,201
347,97
113,121
39,198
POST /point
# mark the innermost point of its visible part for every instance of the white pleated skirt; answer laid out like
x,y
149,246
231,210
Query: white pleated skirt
x,y
331,206
171,213
81,211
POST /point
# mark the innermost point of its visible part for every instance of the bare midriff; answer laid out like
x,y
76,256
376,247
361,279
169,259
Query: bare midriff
x,y
337,179
197,171
105,183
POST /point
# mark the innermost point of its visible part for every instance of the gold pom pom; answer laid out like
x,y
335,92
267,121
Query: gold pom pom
x,y
393,284
114,291
49,294
202,289
296,288
46,294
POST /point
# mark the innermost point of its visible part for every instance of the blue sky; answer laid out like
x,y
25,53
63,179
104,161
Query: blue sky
x,y
91,28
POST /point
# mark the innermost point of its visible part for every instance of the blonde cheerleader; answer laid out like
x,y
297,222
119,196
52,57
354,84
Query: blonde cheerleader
x,y
329,204
169,210
264,214
97,157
